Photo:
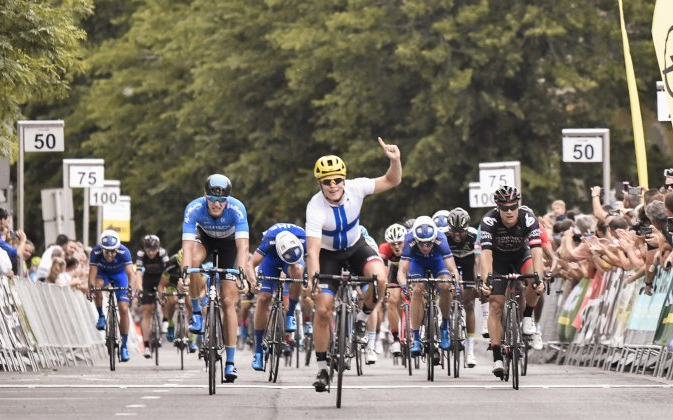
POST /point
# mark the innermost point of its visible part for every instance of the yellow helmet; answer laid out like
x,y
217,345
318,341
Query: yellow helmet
x,y
329,165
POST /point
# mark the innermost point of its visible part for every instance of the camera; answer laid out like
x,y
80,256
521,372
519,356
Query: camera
x,y
644,230
13,234
625,186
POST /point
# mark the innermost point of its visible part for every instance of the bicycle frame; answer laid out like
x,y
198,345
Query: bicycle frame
x,y
181,339
112,323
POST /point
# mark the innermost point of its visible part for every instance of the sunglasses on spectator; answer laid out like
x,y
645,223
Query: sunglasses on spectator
x,y
425,244
511,207
216,199
668,186
333,181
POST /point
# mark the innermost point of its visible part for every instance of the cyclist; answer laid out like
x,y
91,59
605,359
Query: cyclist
x,y
110,261
372,326
510,243
169,281
151,261
333,240
219,222
281,249
391,251
462,239
426,249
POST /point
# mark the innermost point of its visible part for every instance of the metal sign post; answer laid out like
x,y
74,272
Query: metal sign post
x,y
589,145
84,173
108,194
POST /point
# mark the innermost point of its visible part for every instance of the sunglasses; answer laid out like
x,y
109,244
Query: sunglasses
x,y
511,207
109,251
425,244
333,181
216,199
668,186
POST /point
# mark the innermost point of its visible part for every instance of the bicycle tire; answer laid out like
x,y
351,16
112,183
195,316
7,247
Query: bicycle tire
x,y
456,316
341,343
111,333
156,336
180,337
279,334
211,347
430,338
507,352
407,339
296,346
355,347
514,348
524,358
308,348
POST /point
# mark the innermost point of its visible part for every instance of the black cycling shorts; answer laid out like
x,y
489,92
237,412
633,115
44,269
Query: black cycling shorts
x,y
150,284
225,247
354,258
507,263
392,274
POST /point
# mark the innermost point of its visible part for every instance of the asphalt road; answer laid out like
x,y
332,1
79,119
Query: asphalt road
x,y
140,389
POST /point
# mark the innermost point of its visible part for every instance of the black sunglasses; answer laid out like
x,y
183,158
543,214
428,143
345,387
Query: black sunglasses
x,y
333,181
668,186
511,207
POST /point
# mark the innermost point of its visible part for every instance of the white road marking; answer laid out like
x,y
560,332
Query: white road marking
x,y
167,387
126,414
136,406
151,397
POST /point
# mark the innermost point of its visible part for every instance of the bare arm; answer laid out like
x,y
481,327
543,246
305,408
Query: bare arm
x,y
393,176
596,204
402,272
312,257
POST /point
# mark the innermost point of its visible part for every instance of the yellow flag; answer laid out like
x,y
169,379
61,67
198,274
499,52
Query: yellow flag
x,y
662,35
636,119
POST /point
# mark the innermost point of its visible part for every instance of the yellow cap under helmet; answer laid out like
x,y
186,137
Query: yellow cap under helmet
x,y
329,165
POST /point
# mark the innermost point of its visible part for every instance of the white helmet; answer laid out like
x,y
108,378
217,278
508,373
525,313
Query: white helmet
x,y
109,240
289,247
441,220
395,233
424,229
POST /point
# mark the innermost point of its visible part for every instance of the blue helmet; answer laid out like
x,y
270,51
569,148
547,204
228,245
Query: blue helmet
x,y
424,229
218,185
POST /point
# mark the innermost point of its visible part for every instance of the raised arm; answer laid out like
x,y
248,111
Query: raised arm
x,y
393,176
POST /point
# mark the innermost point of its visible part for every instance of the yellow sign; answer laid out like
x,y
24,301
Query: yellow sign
x,y
662,35
118,217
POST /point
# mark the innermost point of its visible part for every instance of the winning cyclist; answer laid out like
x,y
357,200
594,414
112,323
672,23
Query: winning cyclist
x,y
110,261
391,251
219,222
510,242
462,239
151,262
281,249
426,249
333,240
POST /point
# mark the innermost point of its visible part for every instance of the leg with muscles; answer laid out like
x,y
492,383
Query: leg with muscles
x,y
371,357
469,296
229,291
145,326
263,301
373,267
324,303
100,325
445,297
124,325
196,287
532,297
484,316
417,318
497,302
294,271
394,300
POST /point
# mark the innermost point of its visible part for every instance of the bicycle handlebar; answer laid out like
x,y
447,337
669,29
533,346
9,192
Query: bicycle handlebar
x,y
304,282
350,280
175,294
237,272
109,289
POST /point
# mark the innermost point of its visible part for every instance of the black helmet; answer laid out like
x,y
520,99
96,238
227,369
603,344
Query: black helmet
x,y
458,219
151,242
409,223
506,194
218,185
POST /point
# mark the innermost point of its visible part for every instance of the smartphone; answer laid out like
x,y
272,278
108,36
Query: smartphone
x,y
669,224
625,186
645,230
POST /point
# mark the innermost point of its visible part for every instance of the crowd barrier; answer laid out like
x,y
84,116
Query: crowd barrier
x,y
46,326
605,322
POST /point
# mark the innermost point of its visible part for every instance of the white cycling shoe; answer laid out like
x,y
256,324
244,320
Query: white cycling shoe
x,y
396,349
371,357
528,326
498,368
536,341
470,360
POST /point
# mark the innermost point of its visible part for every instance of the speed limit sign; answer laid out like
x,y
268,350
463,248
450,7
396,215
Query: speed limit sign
x,y
43,136
582,149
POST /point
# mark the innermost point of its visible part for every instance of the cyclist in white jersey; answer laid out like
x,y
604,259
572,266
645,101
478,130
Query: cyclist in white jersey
x,y
333,240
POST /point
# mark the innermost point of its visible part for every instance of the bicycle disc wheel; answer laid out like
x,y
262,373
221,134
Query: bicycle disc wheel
x,y
430,339
211,347
341,344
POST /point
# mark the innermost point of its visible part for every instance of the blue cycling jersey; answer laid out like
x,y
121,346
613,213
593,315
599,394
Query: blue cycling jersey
x,y
268,245
118,265
233,222
440,248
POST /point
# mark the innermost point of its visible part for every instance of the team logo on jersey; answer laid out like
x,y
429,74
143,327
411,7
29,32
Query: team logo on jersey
x,y
529,220
489,221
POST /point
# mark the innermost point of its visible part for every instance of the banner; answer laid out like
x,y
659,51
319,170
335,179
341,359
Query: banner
x,y
570,308
662,35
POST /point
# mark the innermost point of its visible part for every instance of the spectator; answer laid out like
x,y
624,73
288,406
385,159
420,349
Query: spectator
x,y
5,264
668,181
558,207
5,234
56,272
653,194
62,243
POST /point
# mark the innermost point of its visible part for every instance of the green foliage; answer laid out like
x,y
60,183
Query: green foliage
x,y
259,89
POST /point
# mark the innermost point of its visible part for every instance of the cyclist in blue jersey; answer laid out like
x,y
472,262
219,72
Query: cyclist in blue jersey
x,y
110,262
426,249
282,250
333,240
218,222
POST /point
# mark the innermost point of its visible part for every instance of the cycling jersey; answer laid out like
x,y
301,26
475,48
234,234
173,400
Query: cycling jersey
x,y
113,271
232,223
272,264
433,261
338,224
173,270
386,252
464,254
153,267
499,238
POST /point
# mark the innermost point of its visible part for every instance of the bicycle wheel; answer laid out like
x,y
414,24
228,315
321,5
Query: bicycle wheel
x,y
524,356
296,346
407,338
341,344
355,347
456,344
211,347
308,348
181,337
156,336
110,335
430,339
514,348
279,335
